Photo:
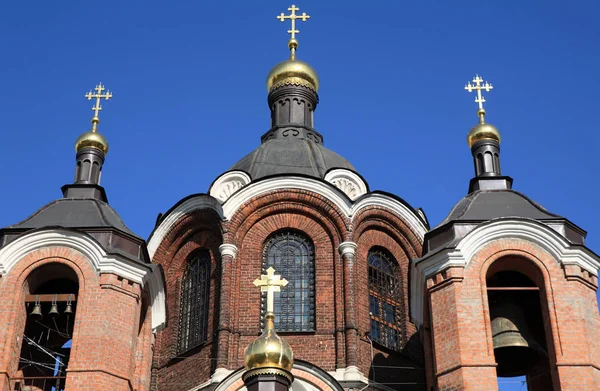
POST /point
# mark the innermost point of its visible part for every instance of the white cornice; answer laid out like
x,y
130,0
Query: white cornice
x,y
227,184
530,230
228,249
347,181
198,202
101,261
252,190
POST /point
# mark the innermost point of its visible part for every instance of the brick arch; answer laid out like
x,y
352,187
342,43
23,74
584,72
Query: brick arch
x,y
246,299
385,220
288,201
193,237
15,317
533,257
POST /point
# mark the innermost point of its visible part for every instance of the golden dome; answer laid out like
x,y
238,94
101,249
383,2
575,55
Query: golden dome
x,y
483,131
92,140
269,350
293,72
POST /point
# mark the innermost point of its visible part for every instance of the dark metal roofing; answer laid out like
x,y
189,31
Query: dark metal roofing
x,y
298,156
74,213
485,205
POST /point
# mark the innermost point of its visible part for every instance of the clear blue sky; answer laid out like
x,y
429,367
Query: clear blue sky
x,y
190,99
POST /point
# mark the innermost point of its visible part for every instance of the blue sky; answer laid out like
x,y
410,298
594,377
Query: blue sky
x,y
190,99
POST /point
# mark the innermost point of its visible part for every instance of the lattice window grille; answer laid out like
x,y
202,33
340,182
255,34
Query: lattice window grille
x,y
291,254
193,320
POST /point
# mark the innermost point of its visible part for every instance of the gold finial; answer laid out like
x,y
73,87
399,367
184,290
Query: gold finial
x,y
482,130
97,108
270,283
269,353
479,99
293,43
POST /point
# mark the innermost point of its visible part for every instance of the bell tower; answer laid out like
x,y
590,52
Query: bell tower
x,y
505,288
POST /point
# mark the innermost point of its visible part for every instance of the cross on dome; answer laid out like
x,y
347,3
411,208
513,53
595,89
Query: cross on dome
x,y
293,43
97,108
270,283
478,86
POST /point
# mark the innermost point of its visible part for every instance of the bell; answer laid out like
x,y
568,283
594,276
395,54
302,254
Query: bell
x,y
53,311
37,311
69,309
515,348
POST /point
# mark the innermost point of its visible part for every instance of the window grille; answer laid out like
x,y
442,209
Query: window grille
x,y
291,254
193,324
385,299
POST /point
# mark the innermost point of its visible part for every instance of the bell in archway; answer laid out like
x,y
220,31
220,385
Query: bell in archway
x,y
53,311
515,348
69,309
36,313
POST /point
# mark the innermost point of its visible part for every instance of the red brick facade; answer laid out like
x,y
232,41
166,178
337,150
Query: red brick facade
x,y
114,346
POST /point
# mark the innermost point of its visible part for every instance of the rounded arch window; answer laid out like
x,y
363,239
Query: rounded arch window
x,y
291,254
194,301
386,308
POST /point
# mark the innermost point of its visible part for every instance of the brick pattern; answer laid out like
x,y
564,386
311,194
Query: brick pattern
x,y
463,357
248,230
106,327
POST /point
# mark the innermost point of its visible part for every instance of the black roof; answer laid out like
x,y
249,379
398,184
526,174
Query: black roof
x,y
483,205
74,213
298,156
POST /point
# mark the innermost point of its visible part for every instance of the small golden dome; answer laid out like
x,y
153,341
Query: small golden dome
x,y
483,131
293,72
92,140
269,350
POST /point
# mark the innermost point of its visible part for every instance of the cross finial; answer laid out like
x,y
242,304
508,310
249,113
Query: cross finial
x,y
97,108
479,99
293,44
270,283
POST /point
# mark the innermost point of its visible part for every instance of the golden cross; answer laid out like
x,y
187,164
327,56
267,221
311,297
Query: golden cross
x,y
293,18
270,283
478,87
97,108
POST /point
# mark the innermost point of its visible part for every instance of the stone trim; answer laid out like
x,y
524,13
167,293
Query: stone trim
x,y
460,256
101,261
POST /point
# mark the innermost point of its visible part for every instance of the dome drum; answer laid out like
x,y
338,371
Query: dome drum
x,y
293,131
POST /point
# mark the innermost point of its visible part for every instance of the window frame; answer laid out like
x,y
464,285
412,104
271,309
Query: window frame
x,y
385,331
193,323
308,283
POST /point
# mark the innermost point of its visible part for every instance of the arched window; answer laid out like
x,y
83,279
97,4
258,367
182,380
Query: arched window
x,y
291,254
385,299
193,311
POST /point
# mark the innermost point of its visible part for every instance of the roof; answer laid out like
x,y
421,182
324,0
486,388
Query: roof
x,y
483,205
74,213
296,156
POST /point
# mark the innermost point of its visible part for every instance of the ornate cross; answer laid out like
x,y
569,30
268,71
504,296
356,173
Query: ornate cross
x,y
293,18
270,283
97,108
478,87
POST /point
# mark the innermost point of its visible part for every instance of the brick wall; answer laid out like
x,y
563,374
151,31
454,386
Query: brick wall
x,y
106,326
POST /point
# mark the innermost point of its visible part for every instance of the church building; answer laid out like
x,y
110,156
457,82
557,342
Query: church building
x,y
352,289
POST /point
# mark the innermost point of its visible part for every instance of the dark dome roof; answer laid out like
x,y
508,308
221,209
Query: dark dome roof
x,y
282,156
74,213
483,205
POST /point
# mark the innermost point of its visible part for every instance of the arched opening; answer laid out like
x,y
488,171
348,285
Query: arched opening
x,y
516,302
50,303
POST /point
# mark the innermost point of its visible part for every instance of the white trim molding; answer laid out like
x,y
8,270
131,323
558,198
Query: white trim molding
x,y
347,248
460,256
228,249
347,181
227,184
100,260
252,190
198,202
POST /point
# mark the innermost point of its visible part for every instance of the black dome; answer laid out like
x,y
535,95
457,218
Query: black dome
x,y
297,156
